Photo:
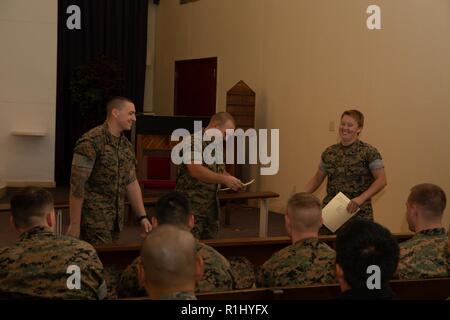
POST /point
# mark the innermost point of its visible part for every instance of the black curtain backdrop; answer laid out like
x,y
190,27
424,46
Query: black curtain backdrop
x,y
113,31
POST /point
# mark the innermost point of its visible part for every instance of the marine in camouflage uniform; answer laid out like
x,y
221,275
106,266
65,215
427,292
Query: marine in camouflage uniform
x,y
217,275
36,266
306,262
349,170
202,196
112,163
424,255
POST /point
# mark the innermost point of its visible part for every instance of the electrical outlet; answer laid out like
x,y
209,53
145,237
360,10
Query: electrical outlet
x,y
331,126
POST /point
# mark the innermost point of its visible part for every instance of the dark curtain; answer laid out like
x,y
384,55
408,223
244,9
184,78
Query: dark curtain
x,y
113,33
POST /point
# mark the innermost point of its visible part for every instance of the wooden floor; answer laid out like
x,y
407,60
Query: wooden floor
x,y
244,222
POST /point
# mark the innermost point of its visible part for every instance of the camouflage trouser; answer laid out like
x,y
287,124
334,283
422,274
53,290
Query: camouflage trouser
x,y
99,236
366,213
205,227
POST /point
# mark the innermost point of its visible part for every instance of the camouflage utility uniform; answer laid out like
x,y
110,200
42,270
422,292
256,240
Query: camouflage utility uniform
x,y
349,170
424,255
306,262
181,295
243,272
202,196
217,275
37,265
112,163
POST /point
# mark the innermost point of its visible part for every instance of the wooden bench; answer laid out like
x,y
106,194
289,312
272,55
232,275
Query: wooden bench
x,y
423,289
257,250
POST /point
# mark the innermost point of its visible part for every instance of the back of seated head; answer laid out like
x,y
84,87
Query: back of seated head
x,y
30,207
169,257
173,208
221,118
304,211
362,243
430,200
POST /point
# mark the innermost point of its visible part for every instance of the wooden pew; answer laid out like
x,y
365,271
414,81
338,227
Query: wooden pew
x,y
257,250
423,289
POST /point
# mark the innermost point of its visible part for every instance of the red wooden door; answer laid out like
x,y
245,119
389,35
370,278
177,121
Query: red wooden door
x,y
195,87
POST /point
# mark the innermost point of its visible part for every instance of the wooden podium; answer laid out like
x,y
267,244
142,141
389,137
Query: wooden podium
x,y
153,148
241,105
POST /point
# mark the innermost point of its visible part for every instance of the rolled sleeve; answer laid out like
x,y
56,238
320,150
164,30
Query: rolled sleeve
x,y
323,167
84,155
82,161
376,164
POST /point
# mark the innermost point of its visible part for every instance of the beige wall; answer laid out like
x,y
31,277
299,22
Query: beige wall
x,y
28,33
308,61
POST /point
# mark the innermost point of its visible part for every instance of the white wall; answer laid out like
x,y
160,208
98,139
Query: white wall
x,y
308,61
28,37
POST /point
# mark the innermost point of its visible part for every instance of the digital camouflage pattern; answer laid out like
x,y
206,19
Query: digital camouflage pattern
x,y
424,255
202,196
307,262
36,266
182,295
243,272
128,285
349,170
217,275
112,275
112,163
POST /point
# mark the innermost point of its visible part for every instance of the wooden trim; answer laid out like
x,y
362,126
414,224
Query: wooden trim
x,y
257,250
35,183
421,289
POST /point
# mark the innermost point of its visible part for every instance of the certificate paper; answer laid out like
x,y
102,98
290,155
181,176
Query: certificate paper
x,y
335,213
245,184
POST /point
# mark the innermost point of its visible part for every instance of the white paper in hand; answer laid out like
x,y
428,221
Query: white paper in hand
x,y
335,213
245,184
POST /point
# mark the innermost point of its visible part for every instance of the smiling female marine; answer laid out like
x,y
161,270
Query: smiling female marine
x,y
352,166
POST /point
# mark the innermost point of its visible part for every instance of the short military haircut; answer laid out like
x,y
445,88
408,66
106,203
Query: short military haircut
x,y
222,118
116,103
168,256
355,114
173,208
430,198
30,203
362,243
305,211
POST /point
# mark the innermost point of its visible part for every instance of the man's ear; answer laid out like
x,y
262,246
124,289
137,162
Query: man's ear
x,y
140,273
415,211
12,223
191,221
339,272
51,219
115,113
154,222
199,268
287,223
341,278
